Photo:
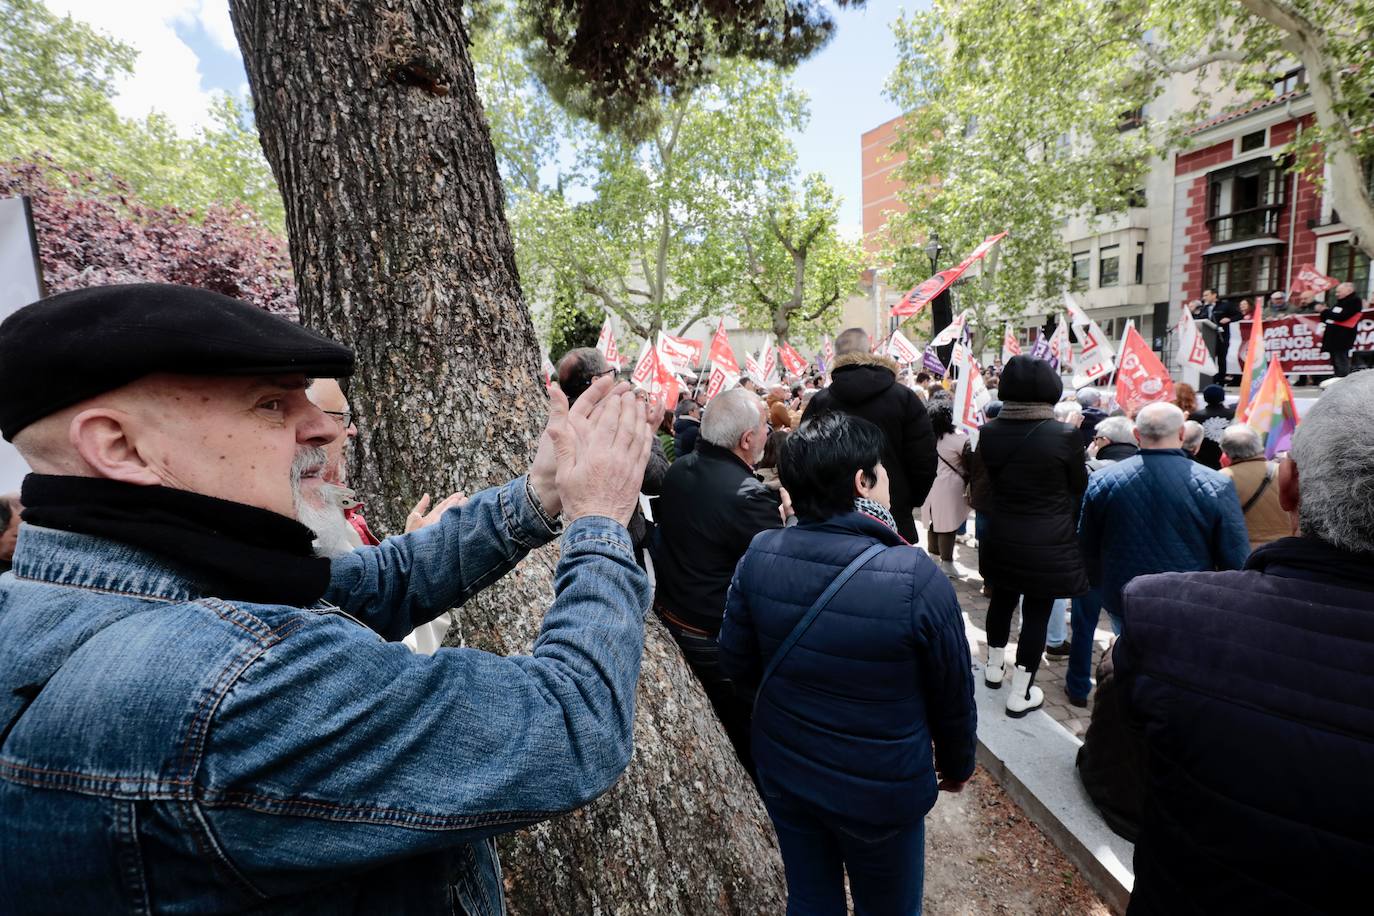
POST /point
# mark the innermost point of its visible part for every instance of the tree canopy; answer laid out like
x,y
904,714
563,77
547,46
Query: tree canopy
x,y
1021,115
57,83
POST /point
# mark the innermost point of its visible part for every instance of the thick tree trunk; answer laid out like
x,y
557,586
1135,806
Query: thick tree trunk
x,y
370,119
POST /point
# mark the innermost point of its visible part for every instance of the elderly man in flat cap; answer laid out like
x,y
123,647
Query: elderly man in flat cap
x,y
197,714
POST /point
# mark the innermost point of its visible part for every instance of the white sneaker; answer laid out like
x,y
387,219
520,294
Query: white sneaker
x,y
997,667
947,567
1025,696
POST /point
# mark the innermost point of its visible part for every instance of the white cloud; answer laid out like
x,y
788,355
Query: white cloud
x,y
167,75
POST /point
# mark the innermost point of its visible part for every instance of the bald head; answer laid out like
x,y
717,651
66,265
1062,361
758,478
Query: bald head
x,y
1345,289
1160,425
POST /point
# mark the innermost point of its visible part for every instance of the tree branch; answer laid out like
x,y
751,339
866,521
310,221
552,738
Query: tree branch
x,y
833,298
631,322
1190,64
762,296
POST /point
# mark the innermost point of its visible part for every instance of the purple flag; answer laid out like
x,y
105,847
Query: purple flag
x,y
930,361
1041,350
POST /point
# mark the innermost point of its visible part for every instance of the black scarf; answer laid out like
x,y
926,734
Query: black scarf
x,y
229,550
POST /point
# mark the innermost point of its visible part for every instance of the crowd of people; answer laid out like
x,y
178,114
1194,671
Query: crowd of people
x,y
219,689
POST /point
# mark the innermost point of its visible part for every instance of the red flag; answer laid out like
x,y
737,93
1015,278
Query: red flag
x,y
794,361
916,299
1314,280
722,354
1140,377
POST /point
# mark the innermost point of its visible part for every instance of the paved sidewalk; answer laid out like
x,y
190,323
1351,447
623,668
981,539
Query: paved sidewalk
x,y
1050,677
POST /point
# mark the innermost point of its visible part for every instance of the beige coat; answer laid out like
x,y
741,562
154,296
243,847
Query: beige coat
x,y
1266,521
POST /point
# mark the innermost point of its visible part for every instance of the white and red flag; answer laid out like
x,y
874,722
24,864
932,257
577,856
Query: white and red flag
x,y
1095,358
752,368
769,359
682,353
1192,348
1010,345
1314,280
901,349
827,354
952,331
605,342
970,391
1140,376
654,375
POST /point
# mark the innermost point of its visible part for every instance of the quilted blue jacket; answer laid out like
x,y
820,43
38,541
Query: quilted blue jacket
x,y
846,722
1159,512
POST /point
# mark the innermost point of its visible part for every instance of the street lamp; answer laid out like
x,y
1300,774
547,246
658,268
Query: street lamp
x,y
933,250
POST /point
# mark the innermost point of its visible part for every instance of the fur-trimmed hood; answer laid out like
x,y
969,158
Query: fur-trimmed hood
x,y
866,359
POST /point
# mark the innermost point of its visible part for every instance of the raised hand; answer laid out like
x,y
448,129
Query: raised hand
x,y
602,450
422,517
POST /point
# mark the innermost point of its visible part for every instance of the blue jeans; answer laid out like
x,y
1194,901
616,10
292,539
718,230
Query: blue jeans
x,y
1058,628
1085,613
886,865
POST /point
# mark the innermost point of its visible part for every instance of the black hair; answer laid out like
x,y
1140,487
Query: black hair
x,y
941,419
818,462
6,513
772,449
922,377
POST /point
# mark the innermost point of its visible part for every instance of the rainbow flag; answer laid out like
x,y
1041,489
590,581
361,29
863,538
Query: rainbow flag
x,y
1272,412
1256,366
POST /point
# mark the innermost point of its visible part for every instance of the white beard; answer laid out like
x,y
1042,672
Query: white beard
x,y
334,536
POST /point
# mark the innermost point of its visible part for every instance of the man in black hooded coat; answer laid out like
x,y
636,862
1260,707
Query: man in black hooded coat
x,y
865,385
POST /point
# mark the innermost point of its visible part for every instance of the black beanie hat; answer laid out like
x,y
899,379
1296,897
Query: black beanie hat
x,y
64,349
1030,381
1214,394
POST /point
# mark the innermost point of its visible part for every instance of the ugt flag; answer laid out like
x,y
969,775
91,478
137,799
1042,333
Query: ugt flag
x,y
1010,345
796,363
901,349
1140,377
605,342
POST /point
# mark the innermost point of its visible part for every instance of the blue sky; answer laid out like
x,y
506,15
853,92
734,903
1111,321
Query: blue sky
x,y
187,50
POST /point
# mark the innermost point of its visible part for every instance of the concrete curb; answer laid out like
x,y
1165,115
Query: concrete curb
x,y
1032,758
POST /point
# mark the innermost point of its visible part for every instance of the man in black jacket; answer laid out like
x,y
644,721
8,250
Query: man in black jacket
x,y
1252,688
865,385
1341,320
687,427
1221,313
711,507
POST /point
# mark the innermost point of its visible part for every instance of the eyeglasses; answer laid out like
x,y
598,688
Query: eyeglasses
x,y
343,417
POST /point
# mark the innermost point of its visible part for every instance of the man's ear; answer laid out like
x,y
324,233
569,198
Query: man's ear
x,y
102,437
1288,487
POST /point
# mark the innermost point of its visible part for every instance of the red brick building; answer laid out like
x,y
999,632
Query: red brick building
x,y
1243,221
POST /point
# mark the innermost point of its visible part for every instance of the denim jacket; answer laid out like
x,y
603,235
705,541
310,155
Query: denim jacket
x,y
166,751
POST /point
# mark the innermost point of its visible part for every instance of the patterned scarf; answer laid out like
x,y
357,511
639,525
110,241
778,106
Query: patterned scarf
x,y
876,510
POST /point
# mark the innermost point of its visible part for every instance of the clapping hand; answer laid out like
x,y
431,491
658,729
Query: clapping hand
x,y
602,445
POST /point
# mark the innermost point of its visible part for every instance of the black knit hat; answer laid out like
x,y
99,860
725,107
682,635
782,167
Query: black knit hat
x,y
1030,381
75,345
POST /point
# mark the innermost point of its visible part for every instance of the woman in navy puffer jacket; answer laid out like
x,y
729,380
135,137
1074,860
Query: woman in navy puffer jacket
x,y
843,730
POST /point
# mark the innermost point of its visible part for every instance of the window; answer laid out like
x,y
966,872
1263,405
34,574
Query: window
x,y
1109,266
1346,262
1247,272
1291,81
1139,262
1243,202
1130,120
1252,141
1082,266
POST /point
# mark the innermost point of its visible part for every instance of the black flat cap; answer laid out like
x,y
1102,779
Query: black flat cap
x,y
75,345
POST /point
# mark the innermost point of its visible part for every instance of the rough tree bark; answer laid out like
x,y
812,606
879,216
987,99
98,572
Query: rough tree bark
x,y
370,118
